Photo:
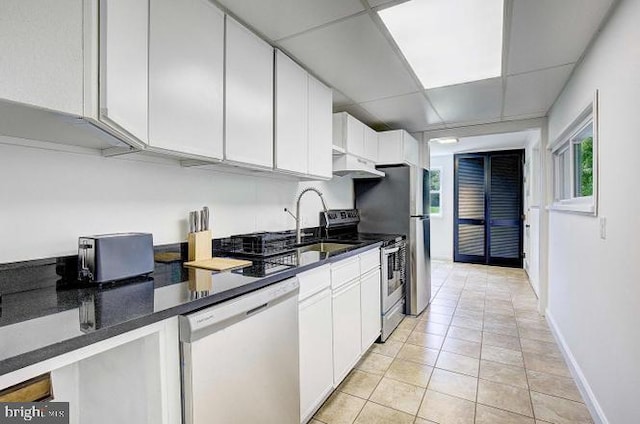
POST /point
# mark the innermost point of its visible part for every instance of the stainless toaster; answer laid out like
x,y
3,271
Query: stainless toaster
x,y
112,257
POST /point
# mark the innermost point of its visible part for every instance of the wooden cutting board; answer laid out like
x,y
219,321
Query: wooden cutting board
x,y
218,264
167,257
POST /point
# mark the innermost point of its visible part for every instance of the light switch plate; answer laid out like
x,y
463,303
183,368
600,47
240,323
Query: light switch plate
x,y
603,228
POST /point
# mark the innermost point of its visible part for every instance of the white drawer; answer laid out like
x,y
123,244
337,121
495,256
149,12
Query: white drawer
x,y
369,260
344,271
314,281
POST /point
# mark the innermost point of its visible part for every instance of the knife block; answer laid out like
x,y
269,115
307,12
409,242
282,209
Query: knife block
x,y
200,245
200,280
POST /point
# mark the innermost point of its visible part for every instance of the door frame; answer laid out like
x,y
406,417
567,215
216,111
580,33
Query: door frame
x,y
486,222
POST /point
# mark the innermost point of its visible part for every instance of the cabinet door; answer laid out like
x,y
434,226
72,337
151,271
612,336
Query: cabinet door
x,y
411,150
370,145
249,97
124,44
186,77
390,147
355,136
320,129
339,129
370,312
346,330
41,51
316,352
291,146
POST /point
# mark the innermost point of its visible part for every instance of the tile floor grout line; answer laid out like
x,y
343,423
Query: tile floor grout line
x,y
475,409
512,283
526,375
433,368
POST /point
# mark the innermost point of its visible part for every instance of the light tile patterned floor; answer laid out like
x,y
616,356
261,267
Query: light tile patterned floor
x,y
479,354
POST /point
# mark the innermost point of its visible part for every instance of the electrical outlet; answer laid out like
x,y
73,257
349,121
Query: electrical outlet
x,y
603,228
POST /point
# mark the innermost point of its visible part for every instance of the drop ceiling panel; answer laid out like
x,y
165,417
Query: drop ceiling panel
x,y
475,101
535,91
362,115
340,99
411,112
546,33
277,19
354,57
385,3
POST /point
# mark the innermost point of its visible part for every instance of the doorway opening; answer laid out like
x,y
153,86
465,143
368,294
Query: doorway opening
x,y
488,208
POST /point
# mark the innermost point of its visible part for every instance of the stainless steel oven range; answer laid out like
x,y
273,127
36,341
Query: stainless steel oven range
x,y
342,224
393,279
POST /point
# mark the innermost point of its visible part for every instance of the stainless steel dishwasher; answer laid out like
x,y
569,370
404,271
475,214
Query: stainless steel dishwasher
x,y
240,359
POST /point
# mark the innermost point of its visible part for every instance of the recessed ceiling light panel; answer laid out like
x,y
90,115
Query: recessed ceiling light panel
x,y
448,42
448,140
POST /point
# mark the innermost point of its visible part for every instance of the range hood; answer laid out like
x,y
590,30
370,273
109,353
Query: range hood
x,y
356,167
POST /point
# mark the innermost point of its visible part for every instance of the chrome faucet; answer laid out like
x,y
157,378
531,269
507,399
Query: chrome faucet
x,y
297,215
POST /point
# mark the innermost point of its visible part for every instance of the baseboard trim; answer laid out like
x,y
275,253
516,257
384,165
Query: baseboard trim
x,y
442,258
581,381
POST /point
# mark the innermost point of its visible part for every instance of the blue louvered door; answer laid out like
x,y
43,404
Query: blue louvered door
x,y
470,209
504,221
488,208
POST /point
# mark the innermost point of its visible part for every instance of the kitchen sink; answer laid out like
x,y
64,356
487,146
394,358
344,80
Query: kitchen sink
x,y
324,247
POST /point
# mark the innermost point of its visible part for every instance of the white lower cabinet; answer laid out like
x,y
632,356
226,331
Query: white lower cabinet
x,y
316,340
129,378
346,329
316,352
370,308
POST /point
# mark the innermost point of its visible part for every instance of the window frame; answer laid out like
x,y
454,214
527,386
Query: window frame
x,y
439,170
586,205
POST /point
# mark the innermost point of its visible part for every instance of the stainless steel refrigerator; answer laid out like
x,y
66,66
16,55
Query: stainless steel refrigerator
x,y
398,203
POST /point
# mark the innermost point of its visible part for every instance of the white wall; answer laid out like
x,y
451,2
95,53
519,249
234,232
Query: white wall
x,y
48,199
594,284
532,211
442,227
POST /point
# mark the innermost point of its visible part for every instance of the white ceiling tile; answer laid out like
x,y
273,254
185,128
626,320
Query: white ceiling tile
x,y
475,101
277,19
385,3
411,112
340,99
535,91
546,33
354,57
362,115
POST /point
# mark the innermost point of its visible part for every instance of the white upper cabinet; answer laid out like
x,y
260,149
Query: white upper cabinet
x,y
249,97
320,129
41,51
348,133
124,45
186,77
354,143
291,142
354,137
370,145
396,147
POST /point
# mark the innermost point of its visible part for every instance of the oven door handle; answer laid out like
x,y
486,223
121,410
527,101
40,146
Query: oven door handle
x,y
390,251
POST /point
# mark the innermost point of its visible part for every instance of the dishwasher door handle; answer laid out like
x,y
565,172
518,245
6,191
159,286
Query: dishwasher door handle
x,y
257,309
201,323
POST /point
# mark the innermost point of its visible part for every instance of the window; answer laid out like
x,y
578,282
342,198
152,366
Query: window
x,y
575,165
435,191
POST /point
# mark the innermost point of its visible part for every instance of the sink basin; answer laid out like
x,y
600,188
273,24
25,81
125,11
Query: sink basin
x,y
324,247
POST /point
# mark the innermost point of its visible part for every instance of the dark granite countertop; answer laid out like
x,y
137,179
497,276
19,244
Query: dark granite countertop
x,y
44,312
